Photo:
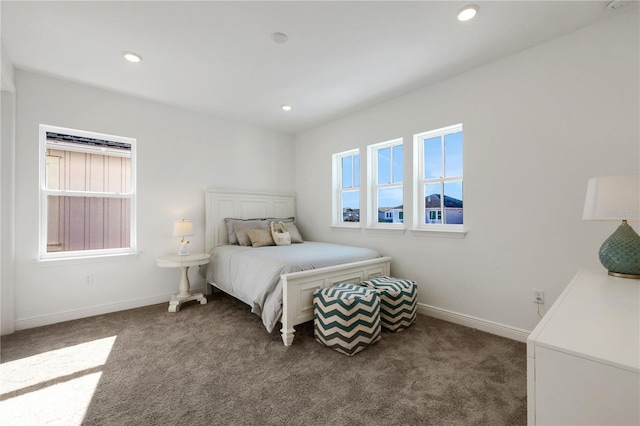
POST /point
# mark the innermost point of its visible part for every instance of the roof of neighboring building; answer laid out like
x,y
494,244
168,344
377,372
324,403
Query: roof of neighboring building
x,y
433,202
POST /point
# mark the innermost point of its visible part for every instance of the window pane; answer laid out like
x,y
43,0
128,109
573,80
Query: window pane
x,y
390,205
453,154
52,171
351,206
351,199
433,158
80,171
398,160
356,170
454,191
87,223
384,166
453,202
347,171
432,203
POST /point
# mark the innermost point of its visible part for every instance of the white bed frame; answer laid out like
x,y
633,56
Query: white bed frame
x,y
298,287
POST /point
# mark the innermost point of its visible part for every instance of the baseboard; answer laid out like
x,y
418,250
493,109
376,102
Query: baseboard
x,y
432,311
40,320
507,331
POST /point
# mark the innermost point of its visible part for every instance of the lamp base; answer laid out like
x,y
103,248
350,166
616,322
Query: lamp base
x,y
184,248
620,253
631,276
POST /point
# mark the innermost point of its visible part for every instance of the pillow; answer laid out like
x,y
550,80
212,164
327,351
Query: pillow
x,y
258,223
293,231
278,219
229,221
241,228
260,237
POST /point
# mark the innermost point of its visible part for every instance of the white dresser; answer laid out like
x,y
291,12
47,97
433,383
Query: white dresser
x,y
583,358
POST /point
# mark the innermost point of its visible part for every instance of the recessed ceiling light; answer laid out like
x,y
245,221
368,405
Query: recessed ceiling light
x,y
279,37
286,107
132,57
468,12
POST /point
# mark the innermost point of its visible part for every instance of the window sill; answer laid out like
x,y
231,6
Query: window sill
x,y
80,260
346,228
375,230
441,233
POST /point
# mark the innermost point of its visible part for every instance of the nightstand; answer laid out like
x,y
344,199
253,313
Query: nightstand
x,y
184,262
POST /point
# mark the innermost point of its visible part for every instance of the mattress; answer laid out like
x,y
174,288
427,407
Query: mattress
x,y
252,275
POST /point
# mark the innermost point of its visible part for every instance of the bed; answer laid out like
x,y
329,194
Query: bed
x,y
278,281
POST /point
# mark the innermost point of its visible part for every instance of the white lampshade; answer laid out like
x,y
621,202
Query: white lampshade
x,y
613,198
182,228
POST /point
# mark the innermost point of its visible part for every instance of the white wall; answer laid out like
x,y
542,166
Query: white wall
x,y
6,79
537,125
180,154
7,148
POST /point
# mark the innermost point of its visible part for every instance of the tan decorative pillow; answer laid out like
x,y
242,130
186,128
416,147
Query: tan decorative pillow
x,y
260,237
292,229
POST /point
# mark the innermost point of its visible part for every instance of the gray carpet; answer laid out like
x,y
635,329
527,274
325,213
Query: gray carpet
x,y
215,364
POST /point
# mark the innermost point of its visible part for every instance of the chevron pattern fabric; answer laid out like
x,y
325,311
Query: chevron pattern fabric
x,y
398,301
346,317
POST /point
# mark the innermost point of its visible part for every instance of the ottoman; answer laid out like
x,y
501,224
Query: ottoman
x,y
346,317
397,301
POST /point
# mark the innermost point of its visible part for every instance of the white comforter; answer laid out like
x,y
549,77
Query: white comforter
x,y
253,274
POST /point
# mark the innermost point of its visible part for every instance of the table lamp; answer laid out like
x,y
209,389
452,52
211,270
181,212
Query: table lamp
x,y
617,198
183,228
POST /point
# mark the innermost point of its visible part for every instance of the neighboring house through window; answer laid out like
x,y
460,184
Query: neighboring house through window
x,y
386,167
346,185
87,188
439,179
437,186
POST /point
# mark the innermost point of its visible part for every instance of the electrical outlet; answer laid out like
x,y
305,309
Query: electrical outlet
x,y
88,279
538,297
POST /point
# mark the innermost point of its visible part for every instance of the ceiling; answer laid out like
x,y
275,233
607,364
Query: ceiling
x,y
218,57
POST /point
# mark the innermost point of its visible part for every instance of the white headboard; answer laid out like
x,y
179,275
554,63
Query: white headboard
x,y
241,205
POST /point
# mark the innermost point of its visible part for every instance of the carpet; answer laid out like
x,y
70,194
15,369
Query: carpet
x,y
215,364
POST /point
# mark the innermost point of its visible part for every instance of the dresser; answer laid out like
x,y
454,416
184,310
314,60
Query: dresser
x,y
583,358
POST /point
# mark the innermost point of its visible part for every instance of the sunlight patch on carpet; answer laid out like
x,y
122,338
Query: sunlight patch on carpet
x,y
53,387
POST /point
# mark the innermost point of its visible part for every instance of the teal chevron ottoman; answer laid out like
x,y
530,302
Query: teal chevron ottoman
x,y
397,301
346,317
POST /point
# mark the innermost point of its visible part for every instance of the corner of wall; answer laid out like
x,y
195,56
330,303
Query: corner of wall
x,y
7,193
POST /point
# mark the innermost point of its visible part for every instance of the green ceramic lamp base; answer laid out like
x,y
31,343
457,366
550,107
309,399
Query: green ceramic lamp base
x,y
620,253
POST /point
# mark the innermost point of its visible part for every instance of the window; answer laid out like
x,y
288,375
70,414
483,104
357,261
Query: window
x,y
87,193
346,171
386,165
438,157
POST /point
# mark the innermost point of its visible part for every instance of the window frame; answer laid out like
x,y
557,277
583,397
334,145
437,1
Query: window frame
x,y
338,190
419,223
374,186
44,193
